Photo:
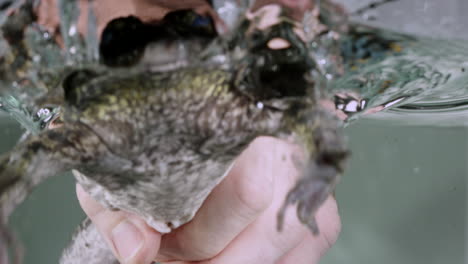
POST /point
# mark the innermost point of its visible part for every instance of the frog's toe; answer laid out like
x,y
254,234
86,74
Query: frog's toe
x,y
309,193
304,213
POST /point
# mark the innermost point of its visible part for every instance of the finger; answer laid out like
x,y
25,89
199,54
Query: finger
x,y
48,15
312,248
106,10
261,242
207,10
296,8
237,201
131,240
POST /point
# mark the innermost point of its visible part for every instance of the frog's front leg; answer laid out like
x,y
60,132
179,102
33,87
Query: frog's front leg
x,y
326,152
50,153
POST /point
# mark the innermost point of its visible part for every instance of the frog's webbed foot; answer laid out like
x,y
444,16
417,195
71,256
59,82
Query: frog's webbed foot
x,y
309,193
326,155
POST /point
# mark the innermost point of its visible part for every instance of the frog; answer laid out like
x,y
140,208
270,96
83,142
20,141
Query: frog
x,y
156,143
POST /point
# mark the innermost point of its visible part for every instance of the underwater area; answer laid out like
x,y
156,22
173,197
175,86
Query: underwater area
x,y
403,197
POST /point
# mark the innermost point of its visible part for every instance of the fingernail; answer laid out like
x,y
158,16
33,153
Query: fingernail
x,y
127,239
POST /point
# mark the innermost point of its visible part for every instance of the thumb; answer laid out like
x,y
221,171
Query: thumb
x,y
129,237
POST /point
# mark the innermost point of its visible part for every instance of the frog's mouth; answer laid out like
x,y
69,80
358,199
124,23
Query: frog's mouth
x,y
277,58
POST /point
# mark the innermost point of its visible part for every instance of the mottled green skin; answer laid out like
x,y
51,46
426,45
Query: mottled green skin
x,y
115,122
121,129
157,143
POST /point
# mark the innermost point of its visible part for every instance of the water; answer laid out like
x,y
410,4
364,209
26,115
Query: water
x,y
403,200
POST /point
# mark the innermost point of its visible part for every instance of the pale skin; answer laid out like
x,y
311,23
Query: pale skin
x,y
237,222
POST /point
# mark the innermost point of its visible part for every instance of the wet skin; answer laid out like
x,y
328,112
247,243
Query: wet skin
x,y
157,143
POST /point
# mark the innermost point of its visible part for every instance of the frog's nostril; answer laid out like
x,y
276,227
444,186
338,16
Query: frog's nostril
x,y
278,43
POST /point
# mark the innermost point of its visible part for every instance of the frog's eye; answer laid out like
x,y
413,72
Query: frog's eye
x,y
73,85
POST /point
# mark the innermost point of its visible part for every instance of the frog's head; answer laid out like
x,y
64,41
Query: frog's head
x,y
272,46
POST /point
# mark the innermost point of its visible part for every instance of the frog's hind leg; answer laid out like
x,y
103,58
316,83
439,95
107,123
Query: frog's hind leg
x,y
87,246
326,153
310,192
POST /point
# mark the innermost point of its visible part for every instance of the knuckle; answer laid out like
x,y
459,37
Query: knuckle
x,y
254,193
198,251
332,228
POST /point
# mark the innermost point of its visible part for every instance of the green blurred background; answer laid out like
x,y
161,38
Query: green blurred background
x,y
403,199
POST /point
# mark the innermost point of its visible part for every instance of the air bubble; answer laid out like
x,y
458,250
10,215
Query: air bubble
x,y
43,111
36,58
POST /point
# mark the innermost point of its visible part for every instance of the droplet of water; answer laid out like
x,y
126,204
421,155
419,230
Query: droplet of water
x,y
352,106
72,31
260,105
46,35
363,103
396,101
369,16
229,11
328,76
36,58
92,38
69,12
43,111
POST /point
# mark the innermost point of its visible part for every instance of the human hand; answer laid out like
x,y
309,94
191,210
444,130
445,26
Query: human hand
x,y
236,224
106,10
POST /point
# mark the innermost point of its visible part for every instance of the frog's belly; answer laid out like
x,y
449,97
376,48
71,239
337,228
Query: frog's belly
x,y
168,195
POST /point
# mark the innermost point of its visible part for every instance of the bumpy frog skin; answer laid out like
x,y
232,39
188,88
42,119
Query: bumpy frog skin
x,y
157,143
